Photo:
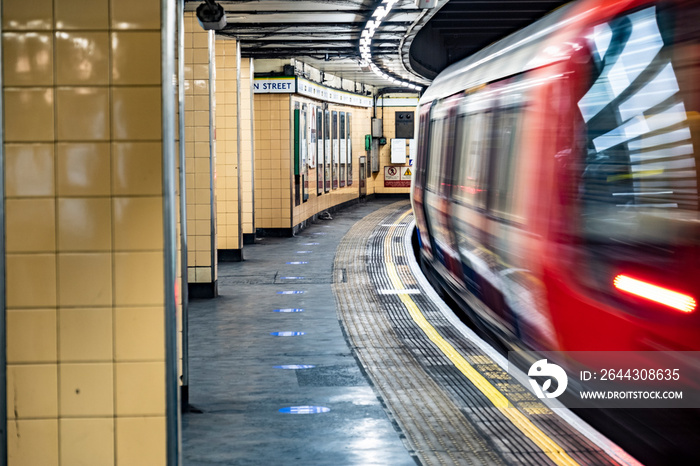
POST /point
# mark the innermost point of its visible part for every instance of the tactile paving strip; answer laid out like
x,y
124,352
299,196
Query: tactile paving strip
x,y
446,419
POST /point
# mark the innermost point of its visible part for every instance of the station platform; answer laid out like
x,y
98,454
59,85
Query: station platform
x,y
330,348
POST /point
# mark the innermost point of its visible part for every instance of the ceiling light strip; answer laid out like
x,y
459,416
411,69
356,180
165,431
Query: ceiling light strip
x,y
366,41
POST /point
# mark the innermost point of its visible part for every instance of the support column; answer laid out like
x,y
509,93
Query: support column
x,y
245,122
200,151
86,148
230,241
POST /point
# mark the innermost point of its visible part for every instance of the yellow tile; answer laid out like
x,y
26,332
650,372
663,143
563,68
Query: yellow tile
x,y
136,14
202,180
136,113
201,133
202,212
31,335
31,280
201,118
85,335
140,388
201,102
87,442
31,391
138,223
201,227
202,243
201,149
16,15
202,196
82,58
33,442
203,258
82,113
136,168
141,441
32,114
31,225
201,165
27,59
29,170
86,390
136,57
78,14
200,39
83,169
201,86
139,334
84,224
138,278
85,279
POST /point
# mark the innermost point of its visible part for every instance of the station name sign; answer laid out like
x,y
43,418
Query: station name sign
x,y
280,85
321,92
301,86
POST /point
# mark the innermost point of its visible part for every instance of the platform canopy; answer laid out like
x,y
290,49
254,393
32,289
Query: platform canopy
x,y
411,44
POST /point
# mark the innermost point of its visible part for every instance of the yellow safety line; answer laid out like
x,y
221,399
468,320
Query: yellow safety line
x,y
519,420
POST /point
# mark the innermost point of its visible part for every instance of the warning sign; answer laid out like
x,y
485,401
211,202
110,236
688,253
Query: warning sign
x,y
392,173
397,177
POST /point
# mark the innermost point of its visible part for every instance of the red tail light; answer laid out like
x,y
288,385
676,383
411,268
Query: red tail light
x,y
679,301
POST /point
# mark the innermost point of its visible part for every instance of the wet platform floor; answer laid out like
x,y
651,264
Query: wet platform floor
x,y
233,379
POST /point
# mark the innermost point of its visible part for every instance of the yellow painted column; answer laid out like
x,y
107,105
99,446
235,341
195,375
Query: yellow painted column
x,y
84,232
200,161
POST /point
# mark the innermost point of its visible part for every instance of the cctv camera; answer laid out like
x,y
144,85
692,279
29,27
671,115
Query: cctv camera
x,y
211,16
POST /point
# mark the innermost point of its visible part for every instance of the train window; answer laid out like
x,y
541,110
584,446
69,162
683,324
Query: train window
x,y
640,160
639,178
472,153
435,154
505,133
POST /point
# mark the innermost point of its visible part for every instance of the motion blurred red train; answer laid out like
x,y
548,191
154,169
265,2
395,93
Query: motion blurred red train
x,y
556,184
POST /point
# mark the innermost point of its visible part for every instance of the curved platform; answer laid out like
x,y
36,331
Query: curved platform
x,y
385,373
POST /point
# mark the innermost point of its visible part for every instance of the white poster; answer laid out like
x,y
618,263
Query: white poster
x,y
312,137
398,151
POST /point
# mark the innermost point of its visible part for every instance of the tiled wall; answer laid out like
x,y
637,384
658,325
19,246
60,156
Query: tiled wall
x,y
274,186
315,203
227,216
200,267
389,126
272,161
85,314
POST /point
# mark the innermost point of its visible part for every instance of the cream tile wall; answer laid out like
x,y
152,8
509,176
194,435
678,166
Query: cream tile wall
x,y
389,126
85,312
227,216
200,266
272,161
315,203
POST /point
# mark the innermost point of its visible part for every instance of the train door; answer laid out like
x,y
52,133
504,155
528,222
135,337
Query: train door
x,y
418,185
502,225
438,183
468,195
